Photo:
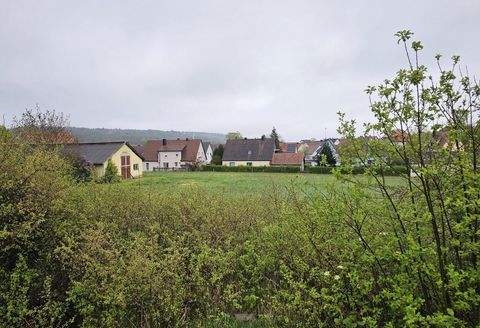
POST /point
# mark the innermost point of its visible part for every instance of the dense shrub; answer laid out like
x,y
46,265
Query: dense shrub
x,y
111,173
272,169
359,253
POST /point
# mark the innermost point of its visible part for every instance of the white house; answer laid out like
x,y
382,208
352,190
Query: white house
x,y
173,154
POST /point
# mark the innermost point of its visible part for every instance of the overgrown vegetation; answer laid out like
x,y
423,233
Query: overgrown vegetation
x,y
358,252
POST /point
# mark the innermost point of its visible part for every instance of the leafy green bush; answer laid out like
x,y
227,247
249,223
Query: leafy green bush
x,y
272,169
111,173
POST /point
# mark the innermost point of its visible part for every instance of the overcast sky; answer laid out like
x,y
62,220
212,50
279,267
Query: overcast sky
x,y
217,66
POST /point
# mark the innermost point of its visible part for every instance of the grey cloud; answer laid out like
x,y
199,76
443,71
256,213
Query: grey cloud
x,y
216,65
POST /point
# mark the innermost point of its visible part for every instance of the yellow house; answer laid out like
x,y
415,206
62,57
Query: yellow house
x,y
97,154
248,152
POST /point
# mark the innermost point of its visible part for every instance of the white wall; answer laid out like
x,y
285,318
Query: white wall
x,y
173,158
151,166
244,163
208,154
201,154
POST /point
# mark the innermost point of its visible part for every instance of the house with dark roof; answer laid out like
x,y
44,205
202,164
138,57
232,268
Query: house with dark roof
x,y
173,154
126,158
248,152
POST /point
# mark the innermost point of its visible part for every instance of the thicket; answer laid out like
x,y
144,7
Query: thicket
x,y
361,252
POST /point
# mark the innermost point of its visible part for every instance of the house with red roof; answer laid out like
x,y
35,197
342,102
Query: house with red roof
x,y
173,154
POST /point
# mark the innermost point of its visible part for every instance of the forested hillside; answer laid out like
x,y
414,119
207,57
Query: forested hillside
x,y
139,136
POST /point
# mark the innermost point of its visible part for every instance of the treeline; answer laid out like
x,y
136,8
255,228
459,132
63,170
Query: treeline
x,y
139,136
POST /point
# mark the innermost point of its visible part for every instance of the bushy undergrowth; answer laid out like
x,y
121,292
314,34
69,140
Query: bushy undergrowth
x,y
102,255
358,253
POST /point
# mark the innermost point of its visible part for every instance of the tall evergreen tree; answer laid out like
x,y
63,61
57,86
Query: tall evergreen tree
x,y
274,135
326,156
217,155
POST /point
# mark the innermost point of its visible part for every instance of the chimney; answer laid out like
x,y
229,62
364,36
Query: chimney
x,y
245,138
178,138
186,139
263,137
164,142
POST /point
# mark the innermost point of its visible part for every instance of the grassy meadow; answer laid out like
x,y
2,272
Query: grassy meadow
x,y
236,183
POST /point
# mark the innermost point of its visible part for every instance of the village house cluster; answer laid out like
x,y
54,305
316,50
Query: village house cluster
x,y
187,154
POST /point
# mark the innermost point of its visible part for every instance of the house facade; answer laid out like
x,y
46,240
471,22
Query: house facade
x,y
311,149
173,154
248,152
127,159
207,147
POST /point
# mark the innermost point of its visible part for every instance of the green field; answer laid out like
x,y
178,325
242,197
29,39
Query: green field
x,y
237,182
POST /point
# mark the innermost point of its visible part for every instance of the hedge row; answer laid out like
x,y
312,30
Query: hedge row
x,y
273,169
393,170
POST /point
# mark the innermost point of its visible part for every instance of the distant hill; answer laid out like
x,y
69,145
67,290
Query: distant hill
x,y
139,136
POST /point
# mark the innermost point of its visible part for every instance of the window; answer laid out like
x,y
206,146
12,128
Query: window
x,y
165,165
165,155
249,163
232,163
176,154
135,167
147,166
176,163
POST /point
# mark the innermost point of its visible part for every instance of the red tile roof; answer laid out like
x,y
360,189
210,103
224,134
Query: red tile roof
x,y
287,159
189,149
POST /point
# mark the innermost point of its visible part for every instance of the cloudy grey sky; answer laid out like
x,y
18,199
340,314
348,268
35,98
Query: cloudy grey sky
x,y
216,66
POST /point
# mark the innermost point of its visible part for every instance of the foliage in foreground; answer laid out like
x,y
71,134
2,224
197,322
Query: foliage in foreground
x,y
357,253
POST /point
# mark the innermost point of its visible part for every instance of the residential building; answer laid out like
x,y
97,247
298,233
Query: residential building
x,y
288,159
311,149
173,154
97,154
207,147
249,152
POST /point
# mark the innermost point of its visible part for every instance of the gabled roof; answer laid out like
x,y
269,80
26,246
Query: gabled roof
x,y
96,153
189,148
287,159
140,149
312,146
249,150
205,145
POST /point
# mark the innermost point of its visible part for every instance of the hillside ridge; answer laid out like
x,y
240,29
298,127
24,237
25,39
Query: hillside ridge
x,y
139,136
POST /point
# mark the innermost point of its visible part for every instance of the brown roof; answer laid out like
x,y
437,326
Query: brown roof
x,y
287,159
189,148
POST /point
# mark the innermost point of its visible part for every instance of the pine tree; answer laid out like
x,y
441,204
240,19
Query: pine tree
x,y
326,156
274,135
111,173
